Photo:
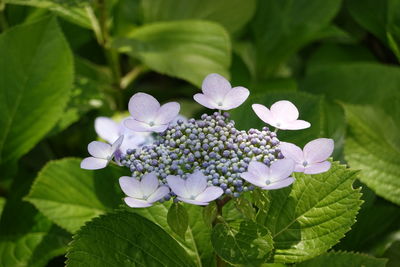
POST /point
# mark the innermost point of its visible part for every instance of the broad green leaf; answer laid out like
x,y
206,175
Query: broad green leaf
x,y
71,196
178,219
232,14
282,27
189,50
348,259
308,218
34,87
125,239
373,146
242,243
245,208
393,254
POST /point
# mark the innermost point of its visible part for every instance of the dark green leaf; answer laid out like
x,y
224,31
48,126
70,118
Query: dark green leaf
x,y
178,219
210,213
245,207
393,254
348,259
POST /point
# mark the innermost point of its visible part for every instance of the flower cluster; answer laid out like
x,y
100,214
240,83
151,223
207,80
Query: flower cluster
x,y
198,161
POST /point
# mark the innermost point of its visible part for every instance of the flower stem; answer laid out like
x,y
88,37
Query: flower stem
x,y
220,204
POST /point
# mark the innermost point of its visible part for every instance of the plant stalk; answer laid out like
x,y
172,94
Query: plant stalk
x,y
220,204
3,19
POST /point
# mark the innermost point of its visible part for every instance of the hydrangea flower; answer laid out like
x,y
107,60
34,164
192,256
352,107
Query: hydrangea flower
x,y
282,115
102,154
313,158
194,189
143,193
219,94
270,177
148,115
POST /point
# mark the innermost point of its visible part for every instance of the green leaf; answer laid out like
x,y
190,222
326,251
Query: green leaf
x,y
178,219
210,212
70,196
393,254
232,14
125,239
245,207
34,87
242,243
308,218
189,50
348,259
373,146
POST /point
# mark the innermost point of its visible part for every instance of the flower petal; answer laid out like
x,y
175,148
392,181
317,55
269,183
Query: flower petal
x,y
263,113
191,201
258,169
318,150
107,129
281,169
92,163
195,183
284,111
148,184
282,183
299,168
253,179
117,144
235,97
205,101
295,125
215,87
158,194
139,126
291,151
143,107
136,203
177,186
167,113
99,149
130,186
209,194
319,167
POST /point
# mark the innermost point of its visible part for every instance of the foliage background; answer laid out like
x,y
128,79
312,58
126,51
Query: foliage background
x,y
63,63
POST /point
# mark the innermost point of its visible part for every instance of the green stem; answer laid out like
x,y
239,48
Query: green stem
x,y
3,20
220,204
131,76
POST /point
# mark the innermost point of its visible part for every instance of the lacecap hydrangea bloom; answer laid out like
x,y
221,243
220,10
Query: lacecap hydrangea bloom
x,y
200,160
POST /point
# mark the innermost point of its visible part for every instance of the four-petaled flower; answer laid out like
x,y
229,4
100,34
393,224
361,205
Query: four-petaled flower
x,y
102,154
143,193
274,177
219,94
312,159
148,115
194,189
282,115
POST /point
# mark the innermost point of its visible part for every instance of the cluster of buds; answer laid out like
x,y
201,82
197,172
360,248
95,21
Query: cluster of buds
x,y
198,161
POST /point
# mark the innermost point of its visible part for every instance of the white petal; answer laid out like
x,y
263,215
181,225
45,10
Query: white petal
x,y
209,194
258,169
158,194
196,183
92,163
138,126
319,167
295,125
318,150
292,151
107,129
167,113
177,186
215,87
299,168
149,184
143,107
191,201
205,101
235,97
136,203
281,169
99,150
263,113
284,111
117,144
130,186
253,179
282,183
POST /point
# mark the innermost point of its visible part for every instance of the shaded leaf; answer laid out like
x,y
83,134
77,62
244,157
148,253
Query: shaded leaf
x,y
348,259
178,219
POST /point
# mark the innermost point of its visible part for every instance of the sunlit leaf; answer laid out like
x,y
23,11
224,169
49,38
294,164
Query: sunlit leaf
x,y
348,259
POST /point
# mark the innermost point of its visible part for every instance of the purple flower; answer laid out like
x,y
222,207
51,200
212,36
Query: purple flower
x,y
219,94
102,154
312,159
268,178
282,115
142,194
194,189
148,115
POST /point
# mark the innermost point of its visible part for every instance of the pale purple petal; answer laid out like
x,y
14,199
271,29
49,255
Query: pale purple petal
x,y
209,194
205,101
136,203
291,151
319,167
117,144
143,107
107,129
92,163
130,186
196,183
191,201
299,167
99,149
235,97
263,113
258,169
295,125
255,180
167,113
318,150
158,194
284,111
281,169
148,184
282,183
215,87
138,126
177,186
